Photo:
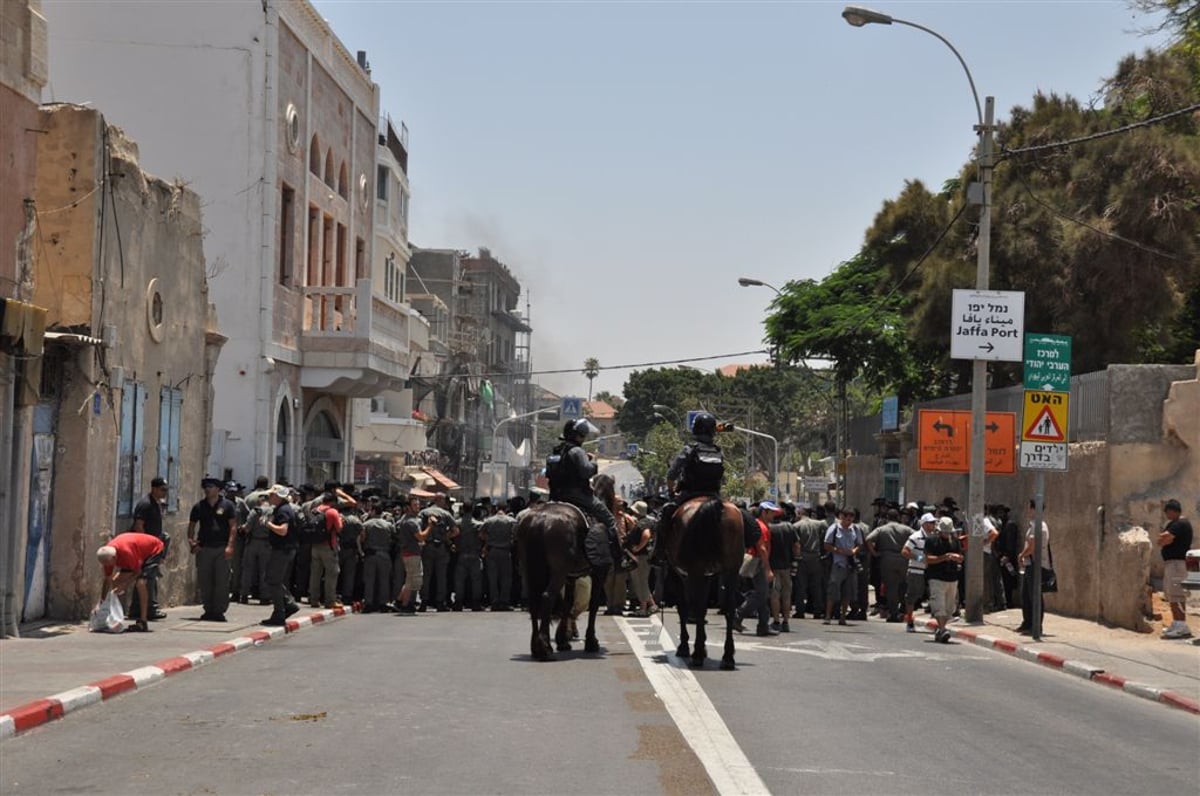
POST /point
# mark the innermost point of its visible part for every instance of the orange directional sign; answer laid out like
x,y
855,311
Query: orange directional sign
x,y
944,442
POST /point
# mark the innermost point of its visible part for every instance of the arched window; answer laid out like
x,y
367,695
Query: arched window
x,y
314,156
343,186
329,168
282,432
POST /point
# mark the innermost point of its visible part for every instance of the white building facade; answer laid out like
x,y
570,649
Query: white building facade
x,y
258,107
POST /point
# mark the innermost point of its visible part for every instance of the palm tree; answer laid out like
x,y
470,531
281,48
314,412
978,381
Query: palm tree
x,y
591,369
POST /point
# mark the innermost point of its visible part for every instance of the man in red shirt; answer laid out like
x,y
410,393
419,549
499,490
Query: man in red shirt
x,y
757,600
127,559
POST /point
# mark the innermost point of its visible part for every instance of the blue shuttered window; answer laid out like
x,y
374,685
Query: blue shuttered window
x,y
129,478
170,410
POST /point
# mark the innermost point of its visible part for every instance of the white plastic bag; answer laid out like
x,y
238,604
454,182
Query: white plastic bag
x,y
108,616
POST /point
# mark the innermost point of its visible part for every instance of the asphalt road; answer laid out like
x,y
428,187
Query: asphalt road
x,y
451,703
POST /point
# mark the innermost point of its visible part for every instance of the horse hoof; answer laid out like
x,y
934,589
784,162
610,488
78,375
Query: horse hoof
x,y
683,651
697,663
591,645
563,646
727,665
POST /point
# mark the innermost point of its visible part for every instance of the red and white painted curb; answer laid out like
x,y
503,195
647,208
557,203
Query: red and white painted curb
x,y
1086,671
40,711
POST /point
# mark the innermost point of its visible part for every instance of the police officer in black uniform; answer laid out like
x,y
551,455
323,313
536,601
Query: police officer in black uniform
x,y
569,469
697,470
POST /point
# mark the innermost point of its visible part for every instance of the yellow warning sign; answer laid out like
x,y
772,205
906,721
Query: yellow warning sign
x,y
1045,416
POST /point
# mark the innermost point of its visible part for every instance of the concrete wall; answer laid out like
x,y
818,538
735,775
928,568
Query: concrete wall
x,y
159,252
1104,513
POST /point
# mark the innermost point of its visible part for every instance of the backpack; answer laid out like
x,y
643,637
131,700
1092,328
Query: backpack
x,y
705,468
313,529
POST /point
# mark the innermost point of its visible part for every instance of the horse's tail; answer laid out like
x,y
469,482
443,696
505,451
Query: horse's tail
x,y
701,544
531,552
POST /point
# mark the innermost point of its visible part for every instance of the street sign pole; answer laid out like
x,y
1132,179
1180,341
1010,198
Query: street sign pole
x,y
1044,440
1039,509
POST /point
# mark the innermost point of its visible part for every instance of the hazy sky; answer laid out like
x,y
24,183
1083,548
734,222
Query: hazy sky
x,y
629,161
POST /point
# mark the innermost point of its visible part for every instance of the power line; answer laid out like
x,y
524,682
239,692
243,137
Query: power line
x,y
1061,214
602,367
1104,134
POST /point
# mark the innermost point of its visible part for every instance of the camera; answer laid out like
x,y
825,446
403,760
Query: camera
x,y
856,564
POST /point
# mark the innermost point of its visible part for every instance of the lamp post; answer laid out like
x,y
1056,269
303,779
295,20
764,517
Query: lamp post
x,y
775,447
746,281
496,441
661,410
982,194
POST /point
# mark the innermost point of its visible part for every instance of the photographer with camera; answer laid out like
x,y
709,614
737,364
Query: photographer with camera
x,y
844,542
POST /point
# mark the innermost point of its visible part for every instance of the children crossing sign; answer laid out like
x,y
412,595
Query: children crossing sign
x,y
1044,431
1049,413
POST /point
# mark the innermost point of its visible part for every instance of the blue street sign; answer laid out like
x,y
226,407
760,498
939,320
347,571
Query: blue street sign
x,y
891,413
691,418
631,449
572,408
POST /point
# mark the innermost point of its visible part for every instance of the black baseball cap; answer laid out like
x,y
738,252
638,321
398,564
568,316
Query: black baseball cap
x,y
1172,505
157,481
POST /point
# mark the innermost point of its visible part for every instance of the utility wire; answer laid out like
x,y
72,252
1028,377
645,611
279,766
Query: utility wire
x,y
602,367
1104,134
945,230
1061,214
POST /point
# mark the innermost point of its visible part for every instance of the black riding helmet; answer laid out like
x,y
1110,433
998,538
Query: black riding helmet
x,y
704,426
578,429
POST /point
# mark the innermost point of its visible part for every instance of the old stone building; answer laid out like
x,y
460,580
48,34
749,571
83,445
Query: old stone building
x,y
125,393
22,76
261,109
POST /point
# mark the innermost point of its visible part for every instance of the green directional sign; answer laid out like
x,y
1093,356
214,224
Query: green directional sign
x,y
1047,362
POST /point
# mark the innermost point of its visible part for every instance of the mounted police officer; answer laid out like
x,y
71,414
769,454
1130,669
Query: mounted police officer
x,y
697,470
569,469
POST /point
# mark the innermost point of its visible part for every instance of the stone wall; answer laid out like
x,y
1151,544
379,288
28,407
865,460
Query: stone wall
x,y
1105,511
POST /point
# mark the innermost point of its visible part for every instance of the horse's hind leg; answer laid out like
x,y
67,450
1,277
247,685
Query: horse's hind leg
x,y
729,581
684,649
590,642
562,641
545,607
697,593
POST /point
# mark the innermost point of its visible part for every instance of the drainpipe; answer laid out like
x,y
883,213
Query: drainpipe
x,y
264,428
8,544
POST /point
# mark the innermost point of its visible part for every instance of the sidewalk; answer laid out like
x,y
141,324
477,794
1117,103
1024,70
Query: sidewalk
x,y
1139,663
56,668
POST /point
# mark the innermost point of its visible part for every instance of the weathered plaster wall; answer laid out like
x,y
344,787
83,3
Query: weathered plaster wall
x,y
158,343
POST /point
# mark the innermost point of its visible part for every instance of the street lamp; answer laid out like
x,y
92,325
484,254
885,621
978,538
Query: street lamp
x,y
982,193
662,409
496,443
775,448
746,281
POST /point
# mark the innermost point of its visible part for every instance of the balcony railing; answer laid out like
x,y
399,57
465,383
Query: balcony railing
x,y
354,313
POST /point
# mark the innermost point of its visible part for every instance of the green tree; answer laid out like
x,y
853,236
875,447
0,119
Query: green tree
x,y
591,369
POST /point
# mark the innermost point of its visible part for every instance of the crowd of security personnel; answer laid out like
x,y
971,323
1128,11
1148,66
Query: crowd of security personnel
x,y
335,547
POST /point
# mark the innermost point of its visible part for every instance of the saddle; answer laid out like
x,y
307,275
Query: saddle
x,y
586,520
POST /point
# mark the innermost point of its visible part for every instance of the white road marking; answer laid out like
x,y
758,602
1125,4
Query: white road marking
x,y
694,714
849,651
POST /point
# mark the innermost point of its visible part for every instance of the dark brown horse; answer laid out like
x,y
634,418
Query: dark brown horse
x,y
545,541
705,538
